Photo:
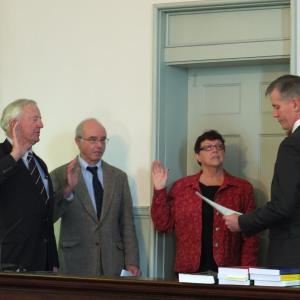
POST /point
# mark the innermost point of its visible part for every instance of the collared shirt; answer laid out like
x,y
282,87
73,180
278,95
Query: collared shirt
x,y
41,171
88,177
296,125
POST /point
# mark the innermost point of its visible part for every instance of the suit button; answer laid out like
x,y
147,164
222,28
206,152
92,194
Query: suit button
x,y
45,240
97,244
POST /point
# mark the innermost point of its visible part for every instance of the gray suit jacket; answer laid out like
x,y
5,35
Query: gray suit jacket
x,y
88,246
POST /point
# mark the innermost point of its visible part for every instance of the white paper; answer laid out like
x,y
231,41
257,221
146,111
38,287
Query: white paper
x,y
125,273
220,208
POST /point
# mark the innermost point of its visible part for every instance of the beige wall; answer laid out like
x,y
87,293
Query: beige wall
x,y
79,59
87,58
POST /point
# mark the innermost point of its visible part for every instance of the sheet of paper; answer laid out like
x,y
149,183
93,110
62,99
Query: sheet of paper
x,y
125,273
220,208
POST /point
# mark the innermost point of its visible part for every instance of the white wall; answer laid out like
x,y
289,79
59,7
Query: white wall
x,y
85,58
79,59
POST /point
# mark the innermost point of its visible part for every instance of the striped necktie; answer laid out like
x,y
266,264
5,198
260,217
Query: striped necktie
x,y
34,172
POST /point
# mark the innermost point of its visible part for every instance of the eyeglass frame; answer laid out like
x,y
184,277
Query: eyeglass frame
x,y
208,148
94,140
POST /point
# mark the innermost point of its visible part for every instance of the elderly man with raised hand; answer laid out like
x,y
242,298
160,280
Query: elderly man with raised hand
x,y
27,239
97,235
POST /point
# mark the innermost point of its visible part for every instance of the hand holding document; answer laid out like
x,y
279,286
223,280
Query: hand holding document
x,y
220,208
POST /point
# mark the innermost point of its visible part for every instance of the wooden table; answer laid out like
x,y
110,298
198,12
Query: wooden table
x,y
15,286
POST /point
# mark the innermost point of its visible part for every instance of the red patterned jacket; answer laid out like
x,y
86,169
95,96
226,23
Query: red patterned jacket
x,y
181,210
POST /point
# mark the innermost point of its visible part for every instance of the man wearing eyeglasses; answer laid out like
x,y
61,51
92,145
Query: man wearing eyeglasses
x,y
97,232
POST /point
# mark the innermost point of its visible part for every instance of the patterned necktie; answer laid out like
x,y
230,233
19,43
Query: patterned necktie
x,y
34,172
98,190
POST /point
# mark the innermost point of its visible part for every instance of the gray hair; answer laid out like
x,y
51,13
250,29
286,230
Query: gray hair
x,y
287,85
12,111
79,128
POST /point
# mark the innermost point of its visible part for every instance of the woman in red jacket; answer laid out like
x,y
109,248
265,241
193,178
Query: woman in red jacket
x,y
203,242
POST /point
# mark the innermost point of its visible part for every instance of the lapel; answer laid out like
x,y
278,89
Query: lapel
x,y
45,169
41,163
83,196
108,187
26,177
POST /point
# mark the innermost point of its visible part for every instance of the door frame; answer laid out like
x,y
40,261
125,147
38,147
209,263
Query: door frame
x,y
169,88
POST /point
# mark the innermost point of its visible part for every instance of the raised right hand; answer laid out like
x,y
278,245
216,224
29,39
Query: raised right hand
x,y
159,175
72,176
20,145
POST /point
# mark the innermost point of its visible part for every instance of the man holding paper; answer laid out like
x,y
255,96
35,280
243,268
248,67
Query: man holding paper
x,y
202,240
282,214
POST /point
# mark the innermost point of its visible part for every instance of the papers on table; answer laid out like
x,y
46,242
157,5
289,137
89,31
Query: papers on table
x,y
125,273
220,208
203,277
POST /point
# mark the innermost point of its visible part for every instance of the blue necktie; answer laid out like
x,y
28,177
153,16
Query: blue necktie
x,y
98,190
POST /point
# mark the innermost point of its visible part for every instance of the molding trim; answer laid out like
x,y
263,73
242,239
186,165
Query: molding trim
x,y
295,37
143,231
209,5
141,211
167,80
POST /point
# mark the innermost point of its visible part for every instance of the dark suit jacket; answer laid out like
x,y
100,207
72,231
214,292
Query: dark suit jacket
x,y
26,228
88,246
282,214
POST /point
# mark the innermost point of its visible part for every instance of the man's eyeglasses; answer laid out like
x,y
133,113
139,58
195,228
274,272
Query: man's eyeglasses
x,y
94,140
211,147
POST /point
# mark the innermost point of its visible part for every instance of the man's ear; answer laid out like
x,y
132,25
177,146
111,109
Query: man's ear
x,y
11,123
77,141
296,104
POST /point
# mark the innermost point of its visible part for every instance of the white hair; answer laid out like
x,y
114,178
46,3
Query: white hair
x,y
12,111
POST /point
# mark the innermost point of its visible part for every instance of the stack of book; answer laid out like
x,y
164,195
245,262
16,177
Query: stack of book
x,y
234,275
275,277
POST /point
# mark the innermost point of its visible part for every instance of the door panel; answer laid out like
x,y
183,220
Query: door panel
x,y
231,100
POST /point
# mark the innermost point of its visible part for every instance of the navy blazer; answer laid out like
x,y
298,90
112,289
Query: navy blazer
x,y
282,214
26,230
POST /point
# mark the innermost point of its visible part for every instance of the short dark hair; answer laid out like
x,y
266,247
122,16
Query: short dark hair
x,y
287,85
210,135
